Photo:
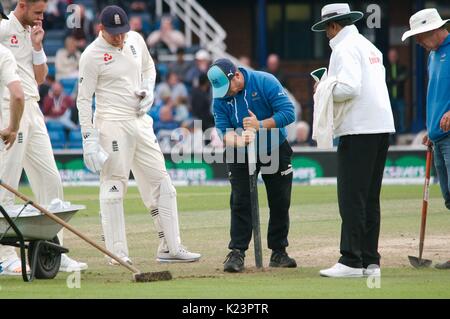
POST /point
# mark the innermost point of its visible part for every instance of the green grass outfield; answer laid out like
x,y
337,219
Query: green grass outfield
x,y
204,221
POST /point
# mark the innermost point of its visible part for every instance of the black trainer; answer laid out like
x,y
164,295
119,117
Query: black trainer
x,y
281,259
234,261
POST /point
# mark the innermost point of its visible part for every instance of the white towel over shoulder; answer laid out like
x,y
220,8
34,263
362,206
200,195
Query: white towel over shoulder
x,y
327,114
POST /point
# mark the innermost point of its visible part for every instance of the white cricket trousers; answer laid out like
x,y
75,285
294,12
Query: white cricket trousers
x,y
132,145
33,152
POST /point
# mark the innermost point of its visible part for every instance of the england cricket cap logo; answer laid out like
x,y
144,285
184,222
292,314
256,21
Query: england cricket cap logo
x,y
117,19
220,75
114,20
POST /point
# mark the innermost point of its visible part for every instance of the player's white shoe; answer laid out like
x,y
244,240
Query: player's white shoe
x,y
70,265
12,267
372,271
183,256
114,262
340,270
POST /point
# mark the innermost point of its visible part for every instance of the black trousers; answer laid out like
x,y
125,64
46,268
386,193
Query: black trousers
x,y
361,161
278,188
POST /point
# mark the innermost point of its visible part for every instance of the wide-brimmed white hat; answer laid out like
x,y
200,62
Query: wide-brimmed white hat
x,y
336,11
423,21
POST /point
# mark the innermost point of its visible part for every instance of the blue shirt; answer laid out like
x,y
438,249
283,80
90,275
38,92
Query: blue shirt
x,y
262,94
438,97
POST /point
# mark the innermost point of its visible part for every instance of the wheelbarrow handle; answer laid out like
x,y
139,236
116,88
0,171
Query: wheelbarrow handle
x,y
69,227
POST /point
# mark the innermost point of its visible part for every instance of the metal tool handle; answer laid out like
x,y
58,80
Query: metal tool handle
x,y
256,225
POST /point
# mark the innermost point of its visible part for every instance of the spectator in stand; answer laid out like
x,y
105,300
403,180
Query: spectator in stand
x,y
190,139
302,136
138,7
179,92
180,66
177,104
180,95
396,75
273,67
55,14
166,40
136,25
67,59
165,125
58,107
202,63
85,34
44,89
164,99
201,103
245,61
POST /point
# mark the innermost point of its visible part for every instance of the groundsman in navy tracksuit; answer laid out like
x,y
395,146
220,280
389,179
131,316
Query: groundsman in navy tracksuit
x,y
247,105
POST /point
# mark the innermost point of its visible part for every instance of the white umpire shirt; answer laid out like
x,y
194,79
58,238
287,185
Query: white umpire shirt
x,y
361,85
8,70
17,38
114,75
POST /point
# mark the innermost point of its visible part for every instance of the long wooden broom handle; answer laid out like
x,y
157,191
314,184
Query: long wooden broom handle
x,y
69,227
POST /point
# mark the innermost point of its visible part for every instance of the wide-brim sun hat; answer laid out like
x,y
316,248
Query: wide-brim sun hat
x,y
423,21
333,12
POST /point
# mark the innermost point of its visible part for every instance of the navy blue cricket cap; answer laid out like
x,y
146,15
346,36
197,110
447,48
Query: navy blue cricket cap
x,y
220,74
2,13
115,20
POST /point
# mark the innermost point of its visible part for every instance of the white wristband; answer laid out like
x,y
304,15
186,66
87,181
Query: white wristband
x,y
39,57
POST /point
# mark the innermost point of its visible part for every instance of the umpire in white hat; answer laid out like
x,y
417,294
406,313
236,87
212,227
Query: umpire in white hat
x,y
359,92
430,32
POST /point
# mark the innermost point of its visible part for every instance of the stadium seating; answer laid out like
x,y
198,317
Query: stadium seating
x,y
54,126
75,140
51,46
57,134
55,34
89,4
51,69
69,85
57,138
146,21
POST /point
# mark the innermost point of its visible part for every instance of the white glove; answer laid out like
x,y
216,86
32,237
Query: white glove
x,y
147,97
94,155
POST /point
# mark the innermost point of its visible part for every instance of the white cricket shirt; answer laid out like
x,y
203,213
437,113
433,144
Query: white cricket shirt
x,y
17,38
361,85
8,70
114,75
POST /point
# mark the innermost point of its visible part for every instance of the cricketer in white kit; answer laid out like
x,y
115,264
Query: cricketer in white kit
x,y
22,34
9,78
118,68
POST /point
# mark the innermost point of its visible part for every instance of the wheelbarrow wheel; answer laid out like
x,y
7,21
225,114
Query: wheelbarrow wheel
x,y
48,259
